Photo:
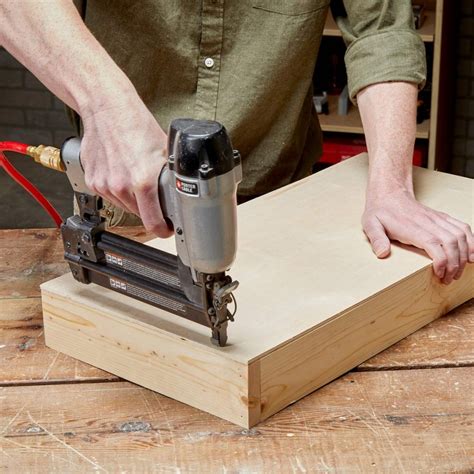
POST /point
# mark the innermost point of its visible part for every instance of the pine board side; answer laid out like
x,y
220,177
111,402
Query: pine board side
x,y
330,350
145,355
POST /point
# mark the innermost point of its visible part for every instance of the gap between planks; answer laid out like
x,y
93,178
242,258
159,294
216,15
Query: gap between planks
x,y
33,383
114,379
452,365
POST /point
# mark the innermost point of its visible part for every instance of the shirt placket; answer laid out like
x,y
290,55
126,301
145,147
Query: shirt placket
x,y
210,50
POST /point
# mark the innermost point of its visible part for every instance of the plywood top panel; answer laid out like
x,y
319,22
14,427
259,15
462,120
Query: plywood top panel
x,y
302,260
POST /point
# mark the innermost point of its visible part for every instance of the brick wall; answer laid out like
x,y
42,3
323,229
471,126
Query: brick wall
x,y
28,111
463,145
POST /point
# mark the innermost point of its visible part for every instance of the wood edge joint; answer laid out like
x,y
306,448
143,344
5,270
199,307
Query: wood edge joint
x,y
254,401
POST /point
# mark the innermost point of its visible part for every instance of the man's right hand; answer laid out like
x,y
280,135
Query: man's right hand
x,y
123,152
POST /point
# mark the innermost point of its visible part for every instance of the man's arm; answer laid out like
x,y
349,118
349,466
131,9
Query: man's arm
x,y
388,112
385,61
123,149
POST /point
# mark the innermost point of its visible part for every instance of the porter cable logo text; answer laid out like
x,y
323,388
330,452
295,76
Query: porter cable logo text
x,y
186,187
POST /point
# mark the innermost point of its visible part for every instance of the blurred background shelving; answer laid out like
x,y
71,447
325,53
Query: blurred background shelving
x,y
352,123
433,135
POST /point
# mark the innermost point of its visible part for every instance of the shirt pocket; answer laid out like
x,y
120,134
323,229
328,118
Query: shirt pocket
x,y
290,7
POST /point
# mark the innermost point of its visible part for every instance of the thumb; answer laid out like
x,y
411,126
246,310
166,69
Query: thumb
x,y
375,232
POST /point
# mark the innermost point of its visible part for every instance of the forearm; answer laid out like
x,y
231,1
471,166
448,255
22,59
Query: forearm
x,y
388,112
51,40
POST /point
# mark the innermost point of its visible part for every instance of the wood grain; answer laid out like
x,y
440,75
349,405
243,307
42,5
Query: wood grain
x,y
446,342
29,257
395,421
376,421
135,349
319,356
24,355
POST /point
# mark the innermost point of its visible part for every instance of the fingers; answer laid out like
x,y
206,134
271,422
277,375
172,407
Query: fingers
x,y
143,202
443,242
461,243
467,231
448,239
122,156
378,238
113,191
451,248
414,234
141,198
435,235
150,210
436,252
398,216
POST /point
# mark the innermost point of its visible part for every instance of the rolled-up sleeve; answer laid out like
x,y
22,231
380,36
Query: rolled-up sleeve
x,y
382,43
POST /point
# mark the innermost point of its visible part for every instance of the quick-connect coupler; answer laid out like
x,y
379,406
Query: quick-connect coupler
x,y
47,156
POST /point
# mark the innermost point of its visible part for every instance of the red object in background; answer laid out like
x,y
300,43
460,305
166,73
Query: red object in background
x,y
340,149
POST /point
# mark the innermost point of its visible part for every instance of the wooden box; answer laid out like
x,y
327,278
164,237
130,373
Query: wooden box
x,y
313,300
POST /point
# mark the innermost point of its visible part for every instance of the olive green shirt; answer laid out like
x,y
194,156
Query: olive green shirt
x,y
249,65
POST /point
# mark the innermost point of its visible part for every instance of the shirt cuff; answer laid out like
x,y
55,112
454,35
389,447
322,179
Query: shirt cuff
x,y
385,57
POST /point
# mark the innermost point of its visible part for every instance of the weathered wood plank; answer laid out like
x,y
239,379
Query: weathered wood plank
x,y
30,257
393,421
445,342
24,356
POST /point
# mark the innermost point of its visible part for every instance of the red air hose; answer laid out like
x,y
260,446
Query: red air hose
x,y
23,182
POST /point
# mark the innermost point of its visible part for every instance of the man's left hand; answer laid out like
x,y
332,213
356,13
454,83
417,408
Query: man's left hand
x,y
397,215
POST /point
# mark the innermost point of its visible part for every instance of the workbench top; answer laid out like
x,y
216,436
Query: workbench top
x,y
407,409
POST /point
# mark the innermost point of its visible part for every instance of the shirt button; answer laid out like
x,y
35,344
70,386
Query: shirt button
x,y
209,62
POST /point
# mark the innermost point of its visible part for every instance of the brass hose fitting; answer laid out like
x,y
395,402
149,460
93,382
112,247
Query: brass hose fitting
x,y
47,156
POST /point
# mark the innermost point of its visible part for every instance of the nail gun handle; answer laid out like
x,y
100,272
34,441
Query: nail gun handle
x,y
165,182
71,158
